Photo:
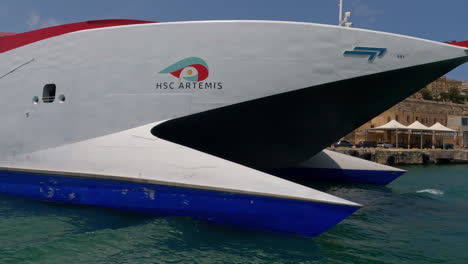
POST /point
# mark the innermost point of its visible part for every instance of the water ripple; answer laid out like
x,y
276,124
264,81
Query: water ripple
x,y
431,191
397,224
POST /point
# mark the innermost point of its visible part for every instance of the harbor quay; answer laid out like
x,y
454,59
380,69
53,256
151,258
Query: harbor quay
x,y
394,156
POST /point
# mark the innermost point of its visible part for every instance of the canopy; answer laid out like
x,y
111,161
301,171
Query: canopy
x,y
413,128
416,125
392,125
438,127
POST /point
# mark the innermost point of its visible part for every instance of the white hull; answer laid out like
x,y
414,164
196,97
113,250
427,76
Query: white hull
x,y
109,76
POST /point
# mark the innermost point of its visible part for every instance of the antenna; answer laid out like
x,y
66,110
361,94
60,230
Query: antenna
x,y
343,21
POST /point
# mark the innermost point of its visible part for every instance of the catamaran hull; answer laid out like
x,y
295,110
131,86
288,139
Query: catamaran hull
x,y
331,166
112,171
260,212
338,175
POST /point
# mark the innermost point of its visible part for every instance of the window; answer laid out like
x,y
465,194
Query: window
x,y
388,119
48,94
416,118
465,121
396,117
407,119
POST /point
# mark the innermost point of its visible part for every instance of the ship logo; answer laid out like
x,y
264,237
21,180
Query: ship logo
x,y
369,52
192,69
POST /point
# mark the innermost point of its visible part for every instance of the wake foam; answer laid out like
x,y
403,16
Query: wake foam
x,y
431,191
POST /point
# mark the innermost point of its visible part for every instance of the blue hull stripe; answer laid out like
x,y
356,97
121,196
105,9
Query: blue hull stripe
x,y
339,175
278,214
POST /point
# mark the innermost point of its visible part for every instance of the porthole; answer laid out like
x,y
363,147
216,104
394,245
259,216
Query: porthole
x,y
61,98
35,100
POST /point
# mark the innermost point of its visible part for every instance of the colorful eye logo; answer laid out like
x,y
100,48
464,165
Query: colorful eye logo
x,y
191,69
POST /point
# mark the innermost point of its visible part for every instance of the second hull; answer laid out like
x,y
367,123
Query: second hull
x,y
380,177
331,166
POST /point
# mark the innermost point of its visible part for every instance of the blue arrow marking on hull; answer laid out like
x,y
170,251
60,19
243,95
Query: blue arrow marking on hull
x,y
380,50
366,51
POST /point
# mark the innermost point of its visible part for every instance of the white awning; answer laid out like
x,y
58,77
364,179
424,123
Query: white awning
x,y
438,127
416,125
392,125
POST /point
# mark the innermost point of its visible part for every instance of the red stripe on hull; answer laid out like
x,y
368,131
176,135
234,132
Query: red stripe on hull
x,y
6,34
22,39
460,43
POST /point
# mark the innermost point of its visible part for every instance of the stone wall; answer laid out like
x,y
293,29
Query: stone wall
x,y
402,156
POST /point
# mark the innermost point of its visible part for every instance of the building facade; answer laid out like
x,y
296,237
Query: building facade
x,y
461,122
464,88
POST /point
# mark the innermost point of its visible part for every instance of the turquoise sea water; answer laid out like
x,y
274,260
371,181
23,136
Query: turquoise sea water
x,y
420,218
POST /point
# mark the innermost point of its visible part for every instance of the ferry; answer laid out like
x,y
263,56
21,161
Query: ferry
x,y
181,118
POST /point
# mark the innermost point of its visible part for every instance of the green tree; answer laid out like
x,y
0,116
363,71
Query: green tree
x,y
426,94
452,95
444,96
455,96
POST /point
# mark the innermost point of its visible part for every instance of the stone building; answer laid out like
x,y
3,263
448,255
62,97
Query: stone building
x,y
464,87
443,84
460,122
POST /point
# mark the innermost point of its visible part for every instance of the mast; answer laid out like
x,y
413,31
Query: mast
x,y
340,11
343,21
